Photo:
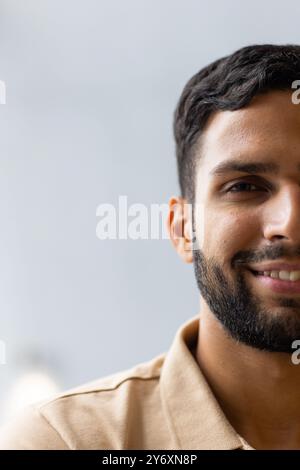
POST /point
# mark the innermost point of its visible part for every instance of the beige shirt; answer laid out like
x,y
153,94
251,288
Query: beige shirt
x,y
164,403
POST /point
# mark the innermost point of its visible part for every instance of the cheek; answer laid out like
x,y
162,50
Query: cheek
x,y
225,234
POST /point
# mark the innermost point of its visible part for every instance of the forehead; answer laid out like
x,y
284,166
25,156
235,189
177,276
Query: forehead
x,y
268,130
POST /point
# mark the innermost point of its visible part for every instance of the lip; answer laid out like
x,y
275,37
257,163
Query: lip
x,y
276,267
277,285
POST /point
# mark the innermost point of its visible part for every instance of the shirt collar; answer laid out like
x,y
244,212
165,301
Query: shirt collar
x,y
192,410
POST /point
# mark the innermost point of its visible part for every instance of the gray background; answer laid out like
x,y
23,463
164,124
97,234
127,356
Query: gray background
x,y
91,89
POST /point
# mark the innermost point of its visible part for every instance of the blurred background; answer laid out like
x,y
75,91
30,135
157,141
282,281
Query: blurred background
x,y
91,86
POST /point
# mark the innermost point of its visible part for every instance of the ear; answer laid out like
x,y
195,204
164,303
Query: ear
x,y
179,226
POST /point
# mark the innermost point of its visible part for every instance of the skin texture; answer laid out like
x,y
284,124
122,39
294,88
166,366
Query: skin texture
x,y
258,390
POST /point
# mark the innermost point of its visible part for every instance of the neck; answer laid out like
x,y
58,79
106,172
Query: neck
x,y
259,391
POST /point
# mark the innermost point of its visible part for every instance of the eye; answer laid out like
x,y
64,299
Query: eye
x,y
244,186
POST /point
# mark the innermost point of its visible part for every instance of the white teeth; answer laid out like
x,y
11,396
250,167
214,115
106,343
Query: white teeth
x,y
283,275
294,275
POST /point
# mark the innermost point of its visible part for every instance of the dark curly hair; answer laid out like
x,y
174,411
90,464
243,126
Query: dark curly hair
x,y
228,83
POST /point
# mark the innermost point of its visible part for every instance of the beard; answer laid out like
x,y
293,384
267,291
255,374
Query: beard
x,y
242,313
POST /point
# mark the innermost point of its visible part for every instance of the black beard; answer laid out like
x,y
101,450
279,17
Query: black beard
x,y
240,311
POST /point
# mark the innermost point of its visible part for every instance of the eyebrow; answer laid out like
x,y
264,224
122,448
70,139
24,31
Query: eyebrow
x,y
246,167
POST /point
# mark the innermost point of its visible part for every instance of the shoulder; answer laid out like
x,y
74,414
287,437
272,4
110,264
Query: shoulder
x,y
91,416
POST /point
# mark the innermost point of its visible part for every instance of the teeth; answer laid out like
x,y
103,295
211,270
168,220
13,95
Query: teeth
x,y
294,275
283,275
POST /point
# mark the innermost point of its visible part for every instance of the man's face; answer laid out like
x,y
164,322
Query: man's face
x,y
248,218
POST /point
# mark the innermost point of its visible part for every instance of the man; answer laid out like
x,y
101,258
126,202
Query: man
x,y
230,379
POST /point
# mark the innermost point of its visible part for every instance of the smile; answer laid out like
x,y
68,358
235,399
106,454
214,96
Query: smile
x,y
282,282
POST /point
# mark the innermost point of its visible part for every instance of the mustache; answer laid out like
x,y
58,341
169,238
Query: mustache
x,y
270,253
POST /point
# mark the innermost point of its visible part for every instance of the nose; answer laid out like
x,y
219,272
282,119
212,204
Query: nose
x,y
282,215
